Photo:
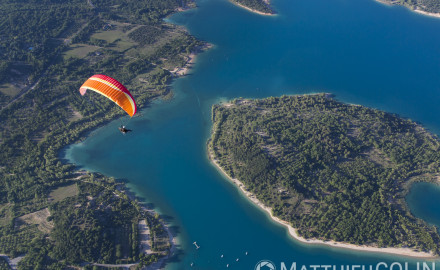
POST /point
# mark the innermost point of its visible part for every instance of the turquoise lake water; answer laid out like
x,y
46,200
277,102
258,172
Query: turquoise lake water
x,y
361,51
424,202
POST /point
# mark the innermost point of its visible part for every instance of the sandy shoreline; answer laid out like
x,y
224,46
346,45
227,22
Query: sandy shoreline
x,y
253,10
191,59
436,15
160,264
384,2
293,232
184,70
144,234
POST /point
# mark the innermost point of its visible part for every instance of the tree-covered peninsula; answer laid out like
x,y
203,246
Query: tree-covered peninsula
x,y
51,215
334,171
424,6
258,6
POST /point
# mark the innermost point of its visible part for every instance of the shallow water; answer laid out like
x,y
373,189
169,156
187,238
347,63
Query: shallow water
x,y
361,51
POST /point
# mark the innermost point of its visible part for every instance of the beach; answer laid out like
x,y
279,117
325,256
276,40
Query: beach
x,y
253,10
436,15
293,232
160,264
190,60
145,239
384,2
184,70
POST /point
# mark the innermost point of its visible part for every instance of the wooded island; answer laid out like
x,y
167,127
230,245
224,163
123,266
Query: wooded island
x,y
335,172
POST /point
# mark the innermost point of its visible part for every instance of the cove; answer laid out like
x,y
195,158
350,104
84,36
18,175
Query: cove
x,y
424,202
361,51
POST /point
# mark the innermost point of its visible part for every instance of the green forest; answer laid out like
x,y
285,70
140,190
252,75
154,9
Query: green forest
x,y
48,48
334,171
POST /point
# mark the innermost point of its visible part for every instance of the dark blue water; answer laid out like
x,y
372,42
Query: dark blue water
x,y
362,51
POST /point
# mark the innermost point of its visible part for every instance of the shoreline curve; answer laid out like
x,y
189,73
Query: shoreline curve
x,y
253,10
407,252
417,10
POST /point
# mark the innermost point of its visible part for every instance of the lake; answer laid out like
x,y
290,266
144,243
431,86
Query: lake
x,y
361,51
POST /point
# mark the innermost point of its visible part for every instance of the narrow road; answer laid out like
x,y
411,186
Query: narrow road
x,y
67,42
22,93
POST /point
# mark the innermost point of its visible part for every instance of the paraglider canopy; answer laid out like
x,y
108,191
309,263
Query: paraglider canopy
x,y
112,89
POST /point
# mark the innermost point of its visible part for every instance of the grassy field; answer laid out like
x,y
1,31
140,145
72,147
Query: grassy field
x,y
110,35
116,37
124,45
79,50
38,218
76,115
61,193
9,89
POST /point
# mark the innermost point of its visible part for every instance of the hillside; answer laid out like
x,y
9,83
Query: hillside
x,y
47,50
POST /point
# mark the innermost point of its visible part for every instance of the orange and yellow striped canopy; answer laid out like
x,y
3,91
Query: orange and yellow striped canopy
x,y
112,89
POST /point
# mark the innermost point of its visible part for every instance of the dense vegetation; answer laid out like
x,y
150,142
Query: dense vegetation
x,y
334,171
258,5
432,6
4,264
147,34
48,49
99,225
